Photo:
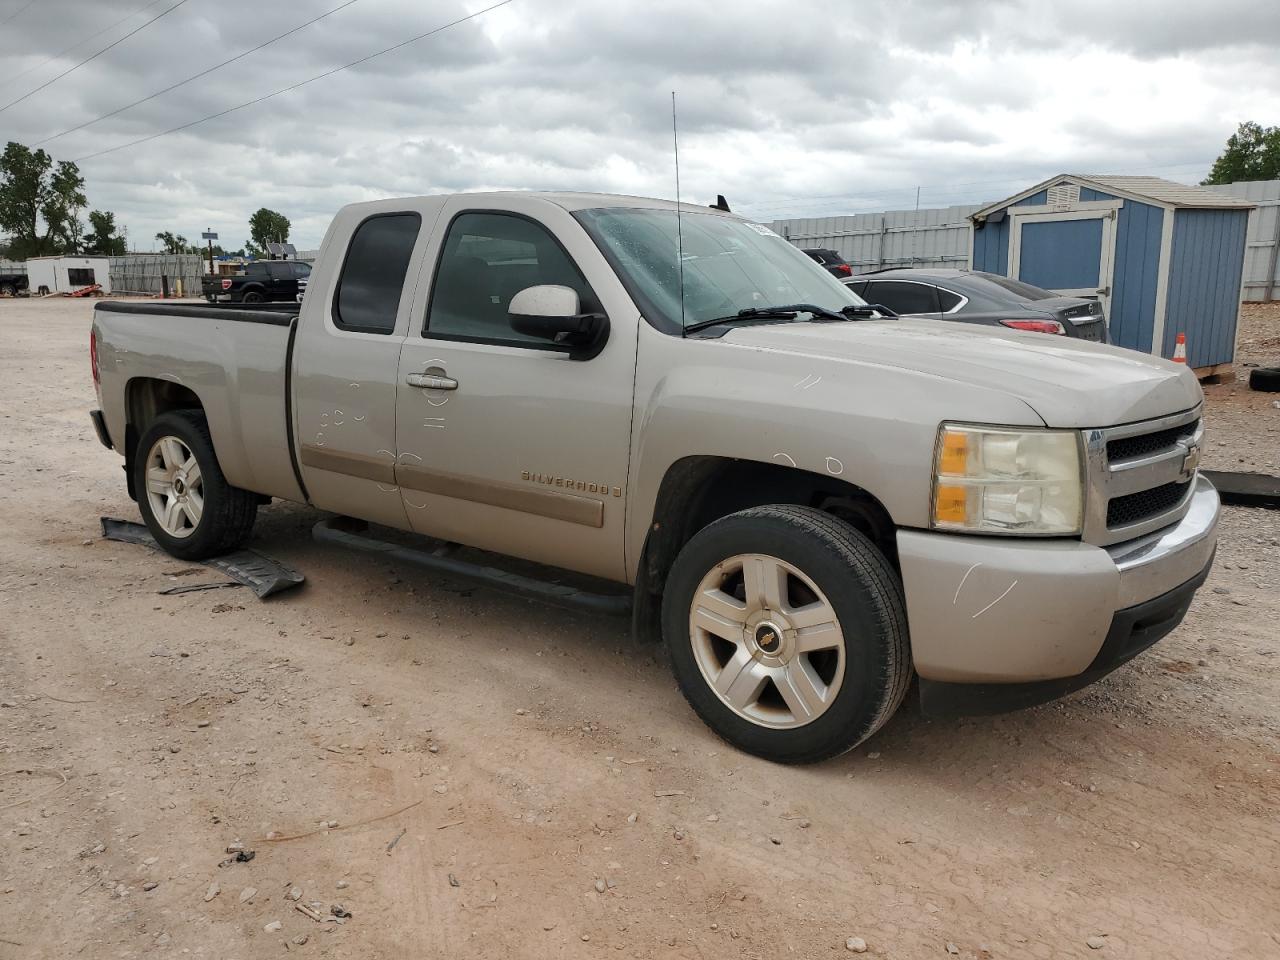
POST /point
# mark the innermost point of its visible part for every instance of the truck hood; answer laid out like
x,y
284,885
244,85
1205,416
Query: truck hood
x,y
1067,382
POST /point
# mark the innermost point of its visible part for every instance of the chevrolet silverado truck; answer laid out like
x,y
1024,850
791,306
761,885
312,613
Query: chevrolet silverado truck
x,y
809,503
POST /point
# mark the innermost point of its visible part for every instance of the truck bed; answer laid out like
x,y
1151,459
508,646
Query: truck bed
x,y
236,359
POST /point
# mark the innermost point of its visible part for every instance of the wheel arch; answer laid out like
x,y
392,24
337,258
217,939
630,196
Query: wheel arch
x,y
145,399
698,490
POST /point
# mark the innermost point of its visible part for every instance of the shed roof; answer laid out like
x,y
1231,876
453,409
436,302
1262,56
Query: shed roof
x,y
1154,190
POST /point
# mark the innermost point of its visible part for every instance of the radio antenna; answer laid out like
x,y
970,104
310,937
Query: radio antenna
x,y
675,146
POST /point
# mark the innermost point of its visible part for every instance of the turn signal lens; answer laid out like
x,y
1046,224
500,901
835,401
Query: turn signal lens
x,y
994,480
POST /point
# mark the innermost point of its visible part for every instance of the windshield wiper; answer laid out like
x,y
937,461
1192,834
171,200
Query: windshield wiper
x,y
761,313
867,311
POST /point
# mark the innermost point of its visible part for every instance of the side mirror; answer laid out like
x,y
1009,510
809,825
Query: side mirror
x,y
552,312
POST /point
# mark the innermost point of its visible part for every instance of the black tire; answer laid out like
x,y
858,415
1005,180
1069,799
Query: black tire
x,y
252,296
1265,379
8,290
229,513
860,586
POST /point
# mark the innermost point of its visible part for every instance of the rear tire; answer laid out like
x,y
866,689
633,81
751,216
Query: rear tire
x,y
787,632
8,290
252,296
187,503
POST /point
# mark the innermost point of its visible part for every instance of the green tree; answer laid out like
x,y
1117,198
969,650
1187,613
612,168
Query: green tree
x,y
103,241
266,226
1252,153
35,192
175,243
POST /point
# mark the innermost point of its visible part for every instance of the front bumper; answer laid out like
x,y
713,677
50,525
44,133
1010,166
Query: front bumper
x,y
998,612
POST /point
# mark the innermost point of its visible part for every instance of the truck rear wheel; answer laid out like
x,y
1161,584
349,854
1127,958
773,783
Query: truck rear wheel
x,y
787,632
252,296
188,505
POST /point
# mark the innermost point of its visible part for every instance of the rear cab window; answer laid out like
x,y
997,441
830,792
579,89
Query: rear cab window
x,y
373,273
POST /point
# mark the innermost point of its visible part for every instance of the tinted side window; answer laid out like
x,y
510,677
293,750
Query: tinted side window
x,y
859,288
302,269
948,300
903,297
373,274
256,270
487,259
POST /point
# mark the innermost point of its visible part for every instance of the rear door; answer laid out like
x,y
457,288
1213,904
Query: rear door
x,y
523,451
345,359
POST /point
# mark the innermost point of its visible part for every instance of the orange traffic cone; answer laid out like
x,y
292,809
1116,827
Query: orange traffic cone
x,y
1180,349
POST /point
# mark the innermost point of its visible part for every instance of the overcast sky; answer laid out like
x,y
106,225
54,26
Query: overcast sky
x,y
788,108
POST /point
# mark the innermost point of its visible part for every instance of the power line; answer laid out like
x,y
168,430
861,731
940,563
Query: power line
x,y
81,43
92,57
31,3
202,73
295,86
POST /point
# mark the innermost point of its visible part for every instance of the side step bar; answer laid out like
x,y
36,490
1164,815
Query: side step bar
x,y
614,605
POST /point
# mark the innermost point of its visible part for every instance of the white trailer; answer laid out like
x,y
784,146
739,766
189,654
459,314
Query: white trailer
x,y
66,274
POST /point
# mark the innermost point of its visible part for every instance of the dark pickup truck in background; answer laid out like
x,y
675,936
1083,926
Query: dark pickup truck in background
x,y
12,284
261,282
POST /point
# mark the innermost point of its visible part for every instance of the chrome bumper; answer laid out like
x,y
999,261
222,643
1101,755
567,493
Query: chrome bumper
x,y
1158,562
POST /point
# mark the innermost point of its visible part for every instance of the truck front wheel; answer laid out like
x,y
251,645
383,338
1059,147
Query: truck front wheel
x,y
787,632
188,505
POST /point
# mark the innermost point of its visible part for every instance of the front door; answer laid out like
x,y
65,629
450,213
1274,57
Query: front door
x,y
505,443
1069,252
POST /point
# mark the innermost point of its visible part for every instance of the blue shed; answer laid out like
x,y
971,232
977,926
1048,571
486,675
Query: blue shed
x,y
1163,257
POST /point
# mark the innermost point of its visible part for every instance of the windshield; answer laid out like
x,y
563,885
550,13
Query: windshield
x,y
729,265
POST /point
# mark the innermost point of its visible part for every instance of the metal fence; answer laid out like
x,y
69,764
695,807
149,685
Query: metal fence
x,y
1262,246
934,237
143,273
939,237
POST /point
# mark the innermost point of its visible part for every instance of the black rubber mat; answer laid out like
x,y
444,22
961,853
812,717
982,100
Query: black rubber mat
x,y
260,574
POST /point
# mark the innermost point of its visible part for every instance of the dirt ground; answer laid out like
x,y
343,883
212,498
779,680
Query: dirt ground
x,y
1242,425
475,776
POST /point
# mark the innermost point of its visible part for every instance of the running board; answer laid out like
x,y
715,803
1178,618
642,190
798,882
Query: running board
x,y
439,560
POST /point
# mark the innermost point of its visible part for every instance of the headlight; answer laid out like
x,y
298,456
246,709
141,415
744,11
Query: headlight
x,y
992,480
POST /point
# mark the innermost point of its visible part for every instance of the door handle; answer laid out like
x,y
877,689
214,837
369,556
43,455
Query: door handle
x,y
431,382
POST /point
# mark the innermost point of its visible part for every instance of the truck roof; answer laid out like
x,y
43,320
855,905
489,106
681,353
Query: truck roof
x,y
567,200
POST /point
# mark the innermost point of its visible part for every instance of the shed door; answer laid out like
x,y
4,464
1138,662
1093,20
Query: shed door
x,y
1071,253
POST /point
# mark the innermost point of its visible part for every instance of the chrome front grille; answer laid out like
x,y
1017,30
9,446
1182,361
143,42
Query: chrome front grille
x,y
1140,476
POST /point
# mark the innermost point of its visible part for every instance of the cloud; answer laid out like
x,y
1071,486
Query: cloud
x,y
787,109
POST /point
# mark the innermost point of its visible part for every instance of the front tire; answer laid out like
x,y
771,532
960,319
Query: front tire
x,y
187,503
787,632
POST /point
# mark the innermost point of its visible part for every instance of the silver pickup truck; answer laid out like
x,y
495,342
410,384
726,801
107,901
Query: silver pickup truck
x,y
811,503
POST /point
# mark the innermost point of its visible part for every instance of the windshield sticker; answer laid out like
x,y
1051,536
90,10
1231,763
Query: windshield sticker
x,y
761,229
